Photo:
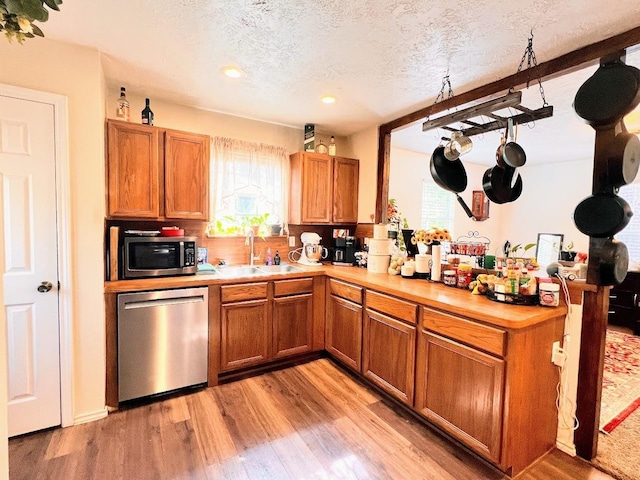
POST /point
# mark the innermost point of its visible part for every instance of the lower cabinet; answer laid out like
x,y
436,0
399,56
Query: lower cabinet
x,y
389,344
246,334
292,325
263,321
460,389
344,331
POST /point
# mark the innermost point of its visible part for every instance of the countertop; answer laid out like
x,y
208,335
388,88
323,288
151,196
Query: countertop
x,y
424,292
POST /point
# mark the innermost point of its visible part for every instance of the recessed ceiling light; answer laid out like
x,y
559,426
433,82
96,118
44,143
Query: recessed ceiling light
x,y
232,72
328,99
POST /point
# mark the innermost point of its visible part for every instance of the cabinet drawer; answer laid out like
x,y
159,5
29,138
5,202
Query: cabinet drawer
x,y
244,291
292,287
394,307
345,290
623,298
489,339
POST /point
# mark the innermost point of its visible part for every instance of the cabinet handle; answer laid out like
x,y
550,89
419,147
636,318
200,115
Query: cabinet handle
x,y
613,296
635,300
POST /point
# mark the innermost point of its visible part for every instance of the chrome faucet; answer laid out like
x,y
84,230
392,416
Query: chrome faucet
x,y
249,240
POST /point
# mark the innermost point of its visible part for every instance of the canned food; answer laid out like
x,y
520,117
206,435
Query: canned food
x,y
465,274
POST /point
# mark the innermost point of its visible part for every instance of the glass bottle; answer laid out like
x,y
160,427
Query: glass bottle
x,y
122,110
147,114
321,148
332,146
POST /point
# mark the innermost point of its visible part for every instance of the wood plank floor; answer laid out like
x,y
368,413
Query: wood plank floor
x,y
312,421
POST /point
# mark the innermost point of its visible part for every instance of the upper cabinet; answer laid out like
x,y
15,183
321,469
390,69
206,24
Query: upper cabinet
x,y
324,189
155,173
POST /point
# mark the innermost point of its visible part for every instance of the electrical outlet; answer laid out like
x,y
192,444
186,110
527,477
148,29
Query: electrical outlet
x,y
292,241
557,355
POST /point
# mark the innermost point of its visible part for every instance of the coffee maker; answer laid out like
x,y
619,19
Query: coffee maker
x,y
344,250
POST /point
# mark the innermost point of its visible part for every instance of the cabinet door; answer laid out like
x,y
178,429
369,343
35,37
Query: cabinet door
x,y
388,354
461,390
316,188
343,335
133,170
246,334
292,324
345,190
186,172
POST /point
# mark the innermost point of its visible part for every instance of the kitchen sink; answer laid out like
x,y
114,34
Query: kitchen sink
x,y
239,271
279,268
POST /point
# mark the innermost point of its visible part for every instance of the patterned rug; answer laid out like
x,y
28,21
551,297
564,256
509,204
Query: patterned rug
x,y
621,379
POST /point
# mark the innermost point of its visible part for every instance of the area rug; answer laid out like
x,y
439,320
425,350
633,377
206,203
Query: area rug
x,y
618,453
621,379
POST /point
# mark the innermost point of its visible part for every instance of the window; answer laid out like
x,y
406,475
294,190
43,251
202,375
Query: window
x,y
437,207
248,180
631,233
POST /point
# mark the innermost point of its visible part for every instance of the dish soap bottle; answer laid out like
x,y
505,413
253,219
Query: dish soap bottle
x,y
276,259
269,260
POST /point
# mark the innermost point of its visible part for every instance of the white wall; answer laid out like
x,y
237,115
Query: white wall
x,y
364,146
50,66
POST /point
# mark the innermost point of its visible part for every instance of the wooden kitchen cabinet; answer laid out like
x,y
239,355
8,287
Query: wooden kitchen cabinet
x,y
292,317
343,335
324,189
460,389
155,173
245,326
389,344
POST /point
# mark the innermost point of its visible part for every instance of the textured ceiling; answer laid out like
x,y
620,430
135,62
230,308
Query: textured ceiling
x,y
381,59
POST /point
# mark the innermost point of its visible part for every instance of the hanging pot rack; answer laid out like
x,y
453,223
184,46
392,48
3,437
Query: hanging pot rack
x,y
488,109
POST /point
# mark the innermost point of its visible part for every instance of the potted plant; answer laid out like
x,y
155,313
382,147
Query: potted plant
x,y
17,17
568,254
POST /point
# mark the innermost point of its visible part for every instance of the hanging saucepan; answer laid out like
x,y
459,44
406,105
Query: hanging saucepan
x,y
613,262
500,151
450,175
499,185
512,153
623,159
602,215
609,94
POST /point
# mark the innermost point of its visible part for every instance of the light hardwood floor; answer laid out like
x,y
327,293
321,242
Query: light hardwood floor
x,y
312,421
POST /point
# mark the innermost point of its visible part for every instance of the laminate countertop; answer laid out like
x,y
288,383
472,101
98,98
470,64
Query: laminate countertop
x,y
424,292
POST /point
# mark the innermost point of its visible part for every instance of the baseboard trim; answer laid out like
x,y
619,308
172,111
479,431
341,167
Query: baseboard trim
x,y
90,417
568,448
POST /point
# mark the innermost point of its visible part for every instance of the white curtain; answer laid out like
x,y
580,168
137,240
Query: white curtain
x,y
248,179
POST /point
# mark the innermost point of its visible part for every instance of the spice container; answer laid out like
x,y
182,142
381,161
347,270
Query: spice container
x,y
465,273
449,278
549,294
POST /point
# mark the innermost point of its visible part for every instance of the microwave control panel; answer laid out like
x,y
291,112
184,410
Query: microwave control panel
x,y
189,254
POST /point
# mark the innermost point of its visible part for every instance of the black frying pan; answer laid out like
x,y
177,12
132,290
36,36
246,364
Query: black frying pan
x,y
498,184
450,175
602,215
609,94
623,159
613,262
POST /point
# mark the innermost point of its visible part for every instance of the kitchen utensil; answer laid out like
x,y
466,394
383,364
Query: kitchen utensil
x,y
602,215
499,151
311,252
623,159
512,153
449,175
457,146
613,262
499,185
609,94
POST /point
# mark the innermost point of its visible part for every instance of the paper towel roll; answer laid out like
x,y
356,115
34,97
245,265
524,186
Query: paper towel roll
x,y
436,257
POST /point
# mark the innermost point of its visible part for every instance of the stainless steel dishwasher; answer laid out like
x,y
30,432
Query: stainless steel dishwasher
x,y
162,341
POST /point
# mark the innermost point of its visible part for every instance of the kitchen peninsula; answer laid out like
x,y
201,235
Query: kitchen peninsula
x,y
478,370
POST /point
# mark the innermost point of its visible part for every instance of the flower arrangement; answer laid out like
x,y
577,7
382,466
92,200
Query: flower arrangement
x,y
17,17
394,215
432,236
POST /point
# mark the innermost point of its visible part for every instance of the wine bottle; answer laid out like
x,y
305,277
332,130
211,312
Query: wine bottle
x,y
147,114
332,146
122,110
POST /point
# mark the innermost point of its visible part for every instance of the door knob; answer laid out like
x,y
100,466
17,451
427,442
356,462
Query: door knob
x,y
45,287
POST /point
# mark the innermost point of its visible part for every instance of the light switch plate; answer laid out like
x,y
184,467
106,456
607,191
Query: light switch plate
x,y
292,241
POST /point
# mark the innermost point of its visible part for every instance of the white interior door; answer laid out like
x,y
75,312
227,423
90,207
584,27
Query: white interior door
x,y
30,270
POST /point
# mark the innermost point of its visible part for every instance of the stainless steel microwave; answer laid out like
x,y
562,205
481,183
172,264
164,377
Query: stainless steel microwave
x,y
159,256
